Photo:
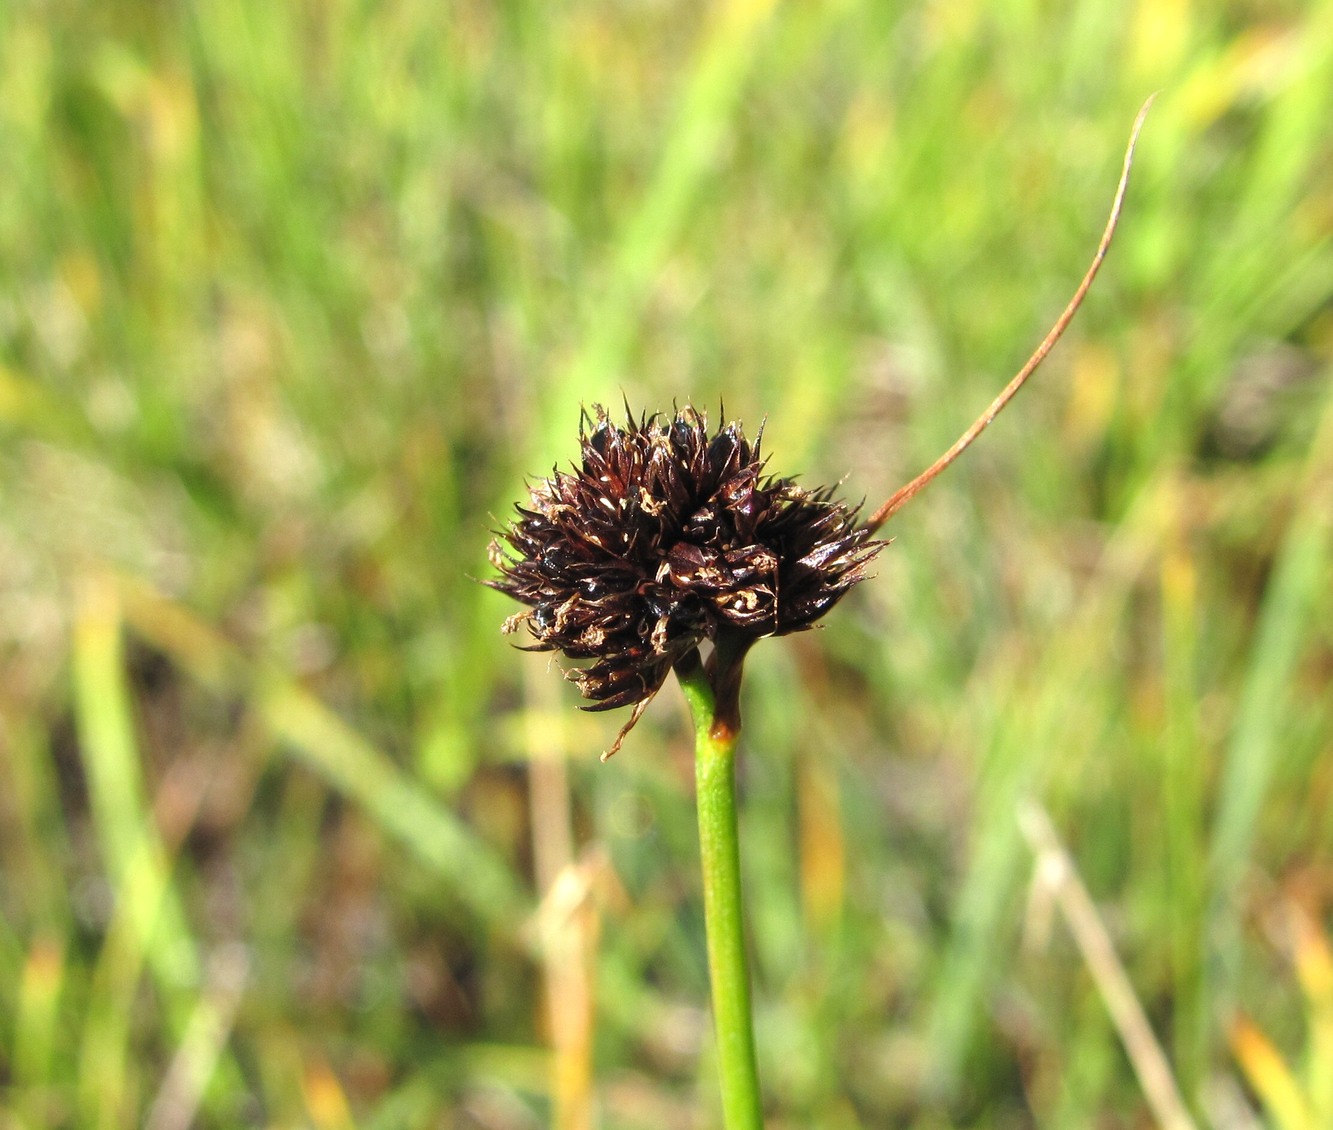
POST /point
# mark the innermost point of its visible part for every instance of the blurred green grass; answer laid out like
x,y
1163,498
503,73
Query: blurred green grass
x,y
291,300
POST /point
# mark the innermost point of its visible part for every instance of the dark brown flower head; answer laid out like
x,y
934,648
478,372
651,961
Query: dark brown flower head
x,y
665,537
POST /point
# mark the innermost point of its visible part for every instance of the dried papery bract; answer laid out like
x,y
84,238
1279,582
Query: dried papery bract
x,y
904,494
664,537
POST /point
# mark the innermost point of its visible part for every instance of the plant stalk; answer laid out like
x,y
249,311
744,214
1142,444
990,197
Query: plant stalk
x,y
717,729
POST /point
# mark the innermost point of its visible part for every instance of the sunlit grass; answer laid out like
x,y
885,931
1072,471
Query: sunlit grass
x,y
290,299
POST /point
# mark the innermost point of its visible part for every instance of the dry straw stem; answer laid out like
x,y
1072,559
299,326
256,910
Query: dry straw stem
x,y
1055,869
565,926
177,1103
905,494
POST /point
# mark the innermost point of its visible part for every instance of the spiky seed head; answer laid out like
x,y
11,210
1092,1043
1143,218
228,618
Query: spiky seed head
x,y
662,538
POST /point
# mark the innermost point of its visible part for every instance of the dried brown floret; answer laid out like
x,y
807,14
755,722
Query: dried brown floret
x,y
665,537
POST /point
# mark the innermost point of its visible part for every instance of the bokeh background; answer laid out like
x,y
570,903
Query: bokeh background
x,y
292,299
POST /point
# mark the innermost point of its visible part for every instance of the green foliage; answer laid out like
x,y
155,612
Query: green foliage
x,y
291,299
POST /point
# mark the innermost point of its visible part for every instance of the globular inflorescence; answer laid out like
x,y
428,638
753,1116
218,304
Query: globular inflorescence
x,y
664,537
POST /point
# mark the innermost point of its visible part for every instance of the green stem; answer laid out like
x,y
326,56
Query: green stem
x,y
717,728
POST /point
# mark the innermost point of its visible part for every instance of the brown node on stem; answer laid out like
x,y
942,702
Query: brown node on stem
x,y
904,494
